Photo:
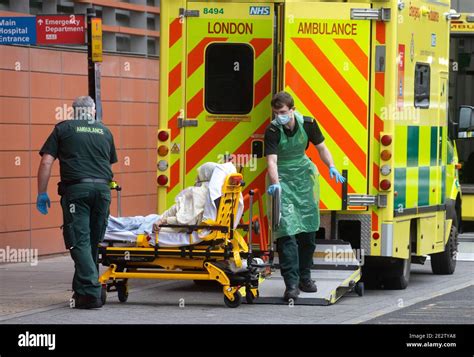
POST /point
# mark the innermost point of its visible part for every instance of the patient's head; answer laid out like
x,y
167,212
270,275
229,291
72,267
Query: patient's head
x,y
205,172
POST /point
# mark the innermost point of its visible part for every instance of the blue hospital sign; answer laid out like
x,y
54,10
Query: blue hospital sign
x,y
17,30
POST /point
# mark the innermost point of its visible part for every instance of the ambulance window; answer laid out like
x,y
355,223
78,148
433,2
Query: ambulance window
x,y
422,85
229,78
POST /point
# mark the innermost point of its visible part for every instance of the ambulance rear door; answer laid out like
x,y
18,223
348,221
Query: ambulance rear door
x,y
228,87
326,69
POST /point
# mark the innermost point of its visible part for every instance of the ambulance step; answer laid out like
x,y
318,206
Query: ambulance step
x,y
336,271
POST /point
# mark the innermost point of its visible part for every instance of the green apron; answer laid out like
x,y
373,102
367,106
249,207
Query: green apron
x,y
299,180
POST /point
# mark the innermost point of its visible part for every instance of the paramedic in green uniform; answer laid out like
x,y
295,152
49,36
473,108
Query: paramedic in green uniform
x,y
292,172
85,149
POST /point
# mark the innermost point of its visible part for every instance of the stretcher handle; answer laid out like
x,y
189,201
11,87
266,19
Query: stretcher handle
x,y
193,228
250,257
275,214
115,186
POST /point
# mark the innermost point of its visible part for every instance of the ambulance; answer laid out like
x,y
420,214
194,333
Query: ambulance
x,y
461,108
374,75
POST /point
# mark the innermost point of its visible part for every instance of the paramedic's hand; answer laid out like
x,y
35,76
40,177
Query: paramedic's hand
x,y
157,224
271,190
334,173
41,201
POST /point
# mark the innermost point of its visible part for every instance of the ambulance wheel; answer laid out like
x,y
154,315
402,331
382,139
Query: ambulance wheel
x,y
122,291
103,294
398,275
359,288
444,263
237,300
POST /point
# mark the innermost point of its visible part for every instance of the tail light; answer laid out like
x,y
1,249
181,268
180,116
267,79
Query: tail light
x,y
386,155
385,184
375,235
163,150
162,180
163,135
386,140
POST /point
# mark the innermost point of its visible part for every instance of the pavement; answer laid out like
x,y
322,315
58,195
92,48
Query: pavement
x,y
40,295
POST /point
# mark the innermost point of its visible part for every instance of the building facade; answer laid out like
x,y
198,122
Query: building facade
x,y
38,83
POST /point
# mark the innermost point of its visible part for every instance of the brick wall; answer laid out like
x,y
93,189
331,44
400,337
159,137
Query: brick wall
x,y
33,83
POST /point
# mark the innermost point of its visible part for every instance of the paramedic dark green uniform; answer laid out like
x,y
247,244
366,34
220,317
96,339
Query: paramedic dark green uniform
x,y
86,150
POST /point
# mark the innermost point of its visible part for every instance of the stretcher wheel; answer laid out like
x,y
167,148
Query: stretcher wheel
x,y
122,291
103,294
249,296
237,300
359,288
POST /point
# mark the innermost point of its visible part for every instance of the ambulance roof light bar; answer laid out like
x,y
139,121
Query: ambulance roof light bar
x,y
371,14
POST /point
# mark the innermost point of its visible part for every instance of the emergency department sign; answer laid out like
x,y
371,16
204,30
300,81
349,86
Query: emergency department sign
x,y
60,29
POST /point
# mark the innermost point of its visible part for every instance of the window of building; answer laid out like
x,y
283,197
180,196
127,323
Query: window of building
x,y
229,78
123,43
422,85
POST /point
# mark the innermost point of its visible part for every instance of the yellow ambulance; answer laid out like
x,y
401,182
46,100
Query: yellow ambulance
x,y
375,76
461,108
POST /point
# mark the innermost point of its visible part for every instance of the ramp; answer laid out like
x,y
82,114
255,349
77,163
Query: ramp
x,y
336,271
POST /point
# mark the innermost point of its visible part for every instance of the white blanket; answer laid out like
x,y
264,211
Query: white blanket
x,y
125,229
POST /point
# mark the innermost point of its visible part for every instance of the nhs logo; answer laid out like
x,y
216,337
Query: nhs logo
x,y
259,10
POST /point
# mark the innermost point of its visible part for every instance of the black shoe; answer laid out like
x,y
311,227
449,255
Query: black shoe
x,y
308,286
291,292
86,301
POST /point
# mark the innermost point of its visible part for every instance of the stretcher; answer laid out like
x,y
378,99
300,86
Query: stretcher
x,y
222,256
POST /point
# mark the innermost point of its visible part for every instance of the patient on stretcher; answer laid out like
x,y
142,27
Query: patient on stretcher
x,y
192,206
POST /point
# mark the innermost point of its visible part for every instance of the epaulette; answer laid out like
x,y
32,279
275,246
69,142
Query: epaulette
x,y
308,119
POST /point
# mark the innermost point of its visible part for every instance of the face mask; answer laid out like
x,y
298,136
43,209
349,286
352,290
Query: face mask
x,y
283,119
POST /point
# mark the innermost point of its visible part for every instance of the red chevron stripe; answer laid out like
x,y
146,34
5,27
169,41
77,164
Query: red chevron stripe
x,y
176,31
324,116
357,56
380,83
174,79
173,126
195,105
260,45
332,76
196,55
376,176
375,221
380,32
174,176
378,127
207,142
263,87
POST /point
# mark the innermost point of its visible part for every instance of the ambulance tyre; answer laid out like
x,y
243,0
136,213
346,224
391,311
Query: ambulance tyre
x,y
359,288
237,300
399,274
444,263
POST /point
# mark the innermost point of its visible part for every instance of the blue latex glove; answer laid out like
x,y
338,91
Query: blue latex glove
x,y
41,201
334,173
272,188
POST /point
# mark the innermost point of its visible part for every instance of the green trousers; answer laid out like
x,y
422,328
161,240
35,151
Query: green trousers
x,y
85,214
295,254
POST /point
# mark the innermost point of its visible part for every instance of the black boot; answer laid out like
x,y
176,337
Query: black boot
x,y
308,286
86,301
291,292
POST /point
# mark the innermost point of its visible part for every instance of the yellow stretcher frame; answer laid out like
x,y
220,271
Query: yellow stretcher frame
x,y
199,262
